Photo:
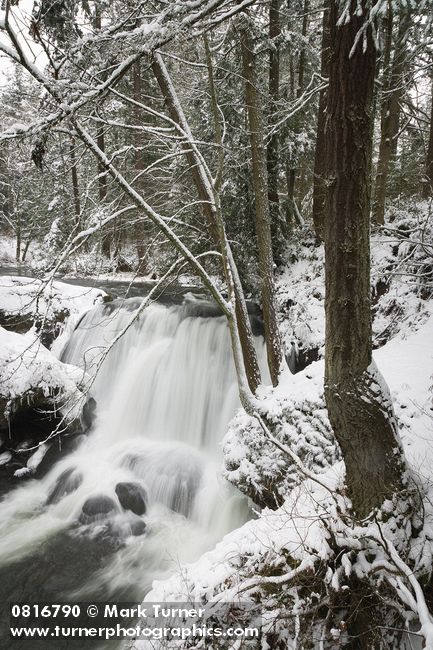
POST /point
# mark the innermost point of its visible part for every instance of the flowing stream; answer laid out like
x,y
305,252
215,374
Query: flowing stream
x,y
143,491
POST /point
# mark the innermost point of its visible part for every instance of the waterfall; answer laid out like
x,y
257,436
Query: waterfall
x,y
170,377
164,396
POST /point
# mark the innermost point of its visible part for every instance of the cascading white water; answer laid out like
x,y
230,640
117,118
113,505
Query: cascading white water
x,y
165,394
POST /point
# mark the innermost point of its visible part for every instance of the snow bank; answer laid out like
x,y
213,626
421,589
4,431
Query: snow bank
x,y
31,375
254,563
52,307
20,295
401,282
406,363
297,409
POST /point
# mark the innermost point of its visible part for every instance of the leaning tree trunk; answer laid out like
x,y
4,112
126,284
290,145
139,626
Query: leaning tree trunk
x,y
427,189
103,191
389,121
261,200
319,190
358,405
75,183
213,218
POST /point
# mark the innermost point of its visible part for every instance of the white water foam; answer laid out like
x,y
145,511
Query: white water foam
x,y
165,394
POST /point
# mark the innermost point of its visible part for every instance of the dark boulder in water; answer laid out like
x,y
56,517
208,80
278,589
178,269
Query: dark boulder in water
x,y
68,481
96,507
138,527
132,497
89,413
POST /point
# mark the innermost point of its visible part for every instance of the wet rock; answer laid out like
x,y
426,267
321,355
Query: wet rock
x,y
19,406
89,413
22,444
306,356
61,446
138,527
132,496
5,457
96,507
48,329
68,481
175,477
257,326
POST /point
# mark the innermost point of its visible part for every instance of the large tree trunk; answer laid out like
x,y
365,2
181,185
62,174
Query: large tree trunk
x,y
273,144
292,165
140,233
26,250
389,118
319,189
261,200
359,408
106,239
302,53
427,189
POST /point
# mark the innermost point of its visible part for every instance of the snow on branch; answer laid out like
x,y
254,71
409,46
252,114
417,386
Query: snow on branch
x,y
374,12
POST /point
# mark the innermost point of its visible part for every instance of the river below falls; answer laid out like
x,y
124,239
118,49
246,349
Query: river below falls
x,y
164,396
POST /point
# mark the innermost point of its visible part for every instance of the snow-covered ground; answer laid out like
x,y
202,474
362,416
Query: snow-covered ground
x,y
401,280
30,374
28,371
35,301
21,295
254,562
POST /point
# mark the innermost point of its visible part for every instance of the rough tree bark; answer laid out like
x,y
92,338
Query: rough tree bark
x,y
293,164
261,200
140,234
359,408
319,190
427,189
273,144
302,53
390,115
